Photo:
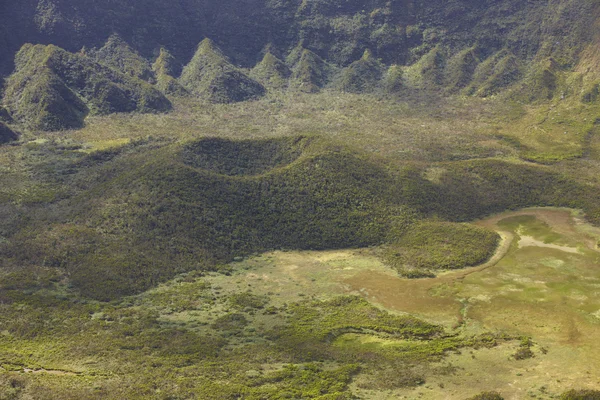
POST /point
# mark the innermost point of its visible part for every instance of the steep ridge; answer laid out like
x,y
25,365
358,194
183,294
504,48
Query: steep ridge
x,y
271,72
165,71
339,31
310,72
361,76
117,54
210,75
53,89
530,52
494,74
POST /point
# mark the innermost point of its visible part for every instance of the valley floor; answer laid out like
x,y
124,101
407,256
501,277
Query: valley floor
x,y
528,290
330,324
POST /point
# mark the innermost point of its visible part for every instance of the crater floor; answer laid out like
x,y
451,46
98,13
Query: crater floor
x,y
551,294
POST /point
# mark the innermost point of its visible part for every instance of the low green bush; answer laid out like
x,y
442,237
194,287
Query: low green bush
x,y
428,246
581,395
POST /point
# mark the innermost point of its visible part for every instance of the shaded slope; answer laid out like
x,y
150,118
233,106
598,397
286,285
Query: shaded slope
x,y
393,80
271,72
471,189
496,73
541,82
460,68
428,71
165,70
246,158
310,72
6,134
151,213
53,89
361,76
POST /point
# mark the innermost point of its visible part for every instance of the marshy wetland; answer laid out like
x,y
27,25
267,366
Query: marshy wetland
x,y
543,283
299,199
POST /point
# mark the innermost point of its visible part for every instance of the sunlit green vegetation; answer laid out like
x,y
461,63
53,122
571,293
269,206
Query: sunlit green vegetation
x,y
131,348
429,246
581,395
154,159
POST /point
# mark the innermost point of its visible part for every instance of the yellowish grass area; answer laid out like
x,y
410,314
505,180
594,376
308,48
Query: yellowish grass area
x,y
410,128
555,131
100,145
422,128
546,293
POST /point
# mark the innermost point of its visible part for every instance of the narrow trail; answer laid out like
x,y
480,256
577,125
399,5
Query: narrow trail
x,y
50,372
24,370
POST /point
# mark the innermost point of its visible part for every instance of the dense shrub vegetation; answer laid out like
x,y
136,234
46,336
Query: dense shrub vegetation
x,y
138,215
428,246
141,222
128,234
487,396
581,395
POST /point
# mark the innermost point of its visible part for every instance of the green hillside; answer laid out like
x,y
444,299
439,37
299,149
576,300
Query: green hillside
x,y
147,211
210,75
304,199
52,89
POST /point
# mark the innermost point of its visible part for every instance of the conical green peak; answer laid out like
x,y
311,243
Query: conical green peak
x,y
164,62
119,55
367,55
208,46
